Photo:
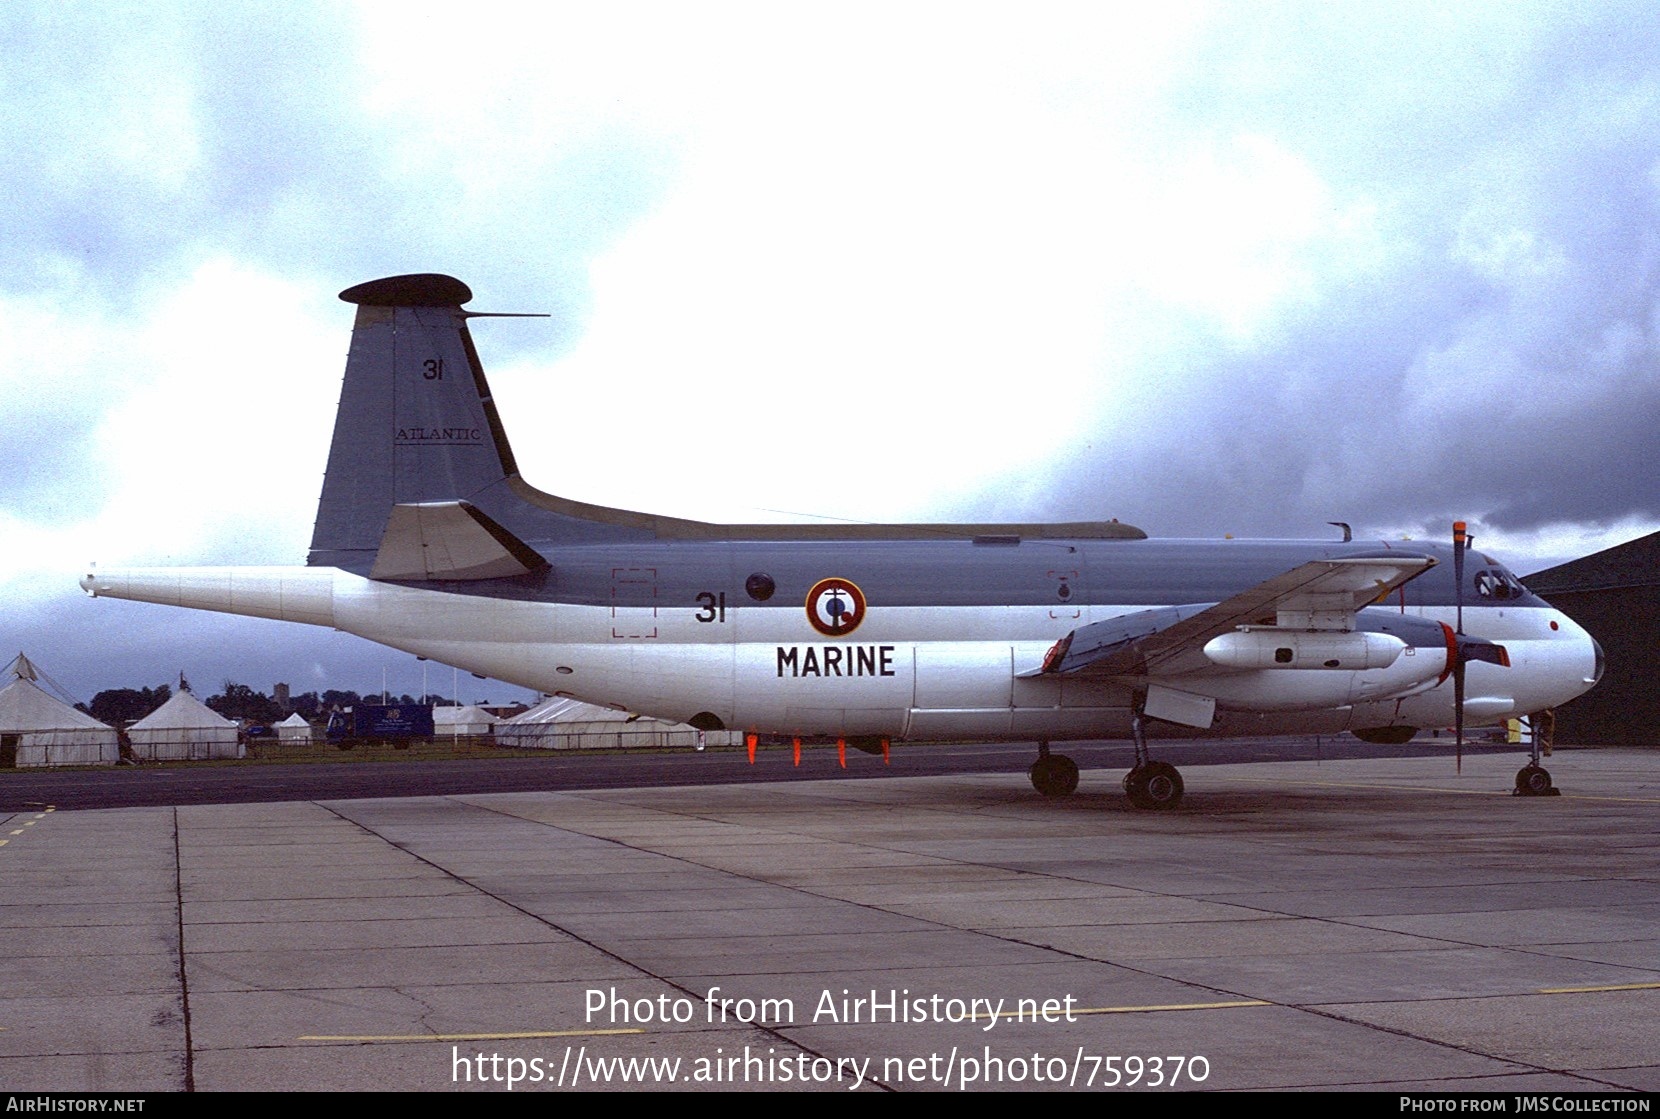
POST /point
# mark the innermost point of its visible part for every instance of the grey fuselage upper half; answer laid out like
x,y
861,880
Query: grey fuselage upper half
x,y
1002,570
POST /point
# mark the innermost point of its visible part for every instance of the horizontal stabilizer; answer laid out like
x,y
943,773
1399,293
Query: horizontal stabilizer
x,y
450,540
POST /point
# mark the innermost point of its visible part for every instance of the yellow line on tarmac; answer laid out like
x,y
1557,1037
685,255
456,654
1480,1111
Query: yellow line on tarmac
x,y
1400,787
524,1036
1394,785
1615,800
1172,1006
1593,990
1136,1009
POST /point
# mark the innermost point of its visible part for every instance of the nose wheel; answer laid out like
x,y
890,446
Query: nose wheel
x,y
1534,781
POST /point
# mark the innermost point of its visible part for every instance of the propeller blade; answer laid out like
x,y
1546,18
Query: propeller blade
x,y
1458,712
1460,541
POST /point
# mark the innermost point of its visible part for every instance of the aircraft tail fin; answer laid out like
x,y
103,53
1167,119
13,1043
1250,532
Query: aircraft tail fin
x,y
416,426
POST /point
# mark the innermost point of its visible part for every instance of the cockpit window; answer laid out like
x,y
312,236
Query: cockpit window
x,y
1498,585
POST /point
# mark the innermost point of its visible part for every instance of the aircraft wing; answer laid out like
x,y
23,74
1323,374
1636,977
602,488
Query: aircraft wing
x,y
1168,640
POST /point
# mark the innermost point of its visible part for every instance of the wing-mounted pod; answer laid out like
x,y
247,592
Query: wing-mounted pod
x,y
1272,647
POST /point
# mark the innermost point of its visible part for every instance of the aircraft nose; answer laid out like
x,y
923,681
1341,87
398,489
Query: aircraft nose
x,y
1601,661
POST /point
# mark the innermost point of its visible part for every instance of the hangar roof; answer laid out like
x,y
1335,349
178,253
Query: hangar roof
x,y
1633,564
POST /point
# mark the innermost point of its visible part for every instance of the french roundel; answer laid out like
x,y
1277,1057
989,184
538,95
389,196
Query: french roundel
x,y
835,607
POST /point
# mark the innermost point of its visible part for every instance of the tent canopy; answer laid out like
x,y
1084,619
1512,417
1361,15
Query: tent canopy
x,y
185,727
182,711
38,729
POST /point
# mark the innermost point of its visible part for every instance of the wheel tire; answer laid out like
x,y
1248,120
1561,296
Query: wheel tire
x,y
1533,781
1065,772
1039,773
1154,785
1162,785
1055,776
1135,786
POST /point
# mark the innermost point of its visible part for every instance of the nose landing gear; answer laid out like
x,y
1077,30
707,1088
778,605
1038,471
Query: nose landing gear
x,y
1533,779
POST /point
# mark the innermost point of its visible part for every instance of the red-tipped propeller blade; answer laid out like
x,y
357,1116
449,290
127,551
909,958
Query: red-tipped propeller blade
x,y
1460,541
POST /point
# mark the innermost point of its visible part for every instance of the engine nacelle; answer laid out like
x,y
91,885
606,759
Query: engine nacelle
x,y
1255,647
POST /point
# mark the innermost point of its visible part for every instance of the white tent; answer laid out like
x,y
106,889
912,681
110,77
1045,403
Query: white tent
x,y
184,728
462,722
38,729
295,731
568,724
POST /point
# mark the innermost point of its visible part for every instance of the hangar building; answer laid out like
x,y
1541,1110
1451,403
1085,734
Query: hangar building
x,y
1615,594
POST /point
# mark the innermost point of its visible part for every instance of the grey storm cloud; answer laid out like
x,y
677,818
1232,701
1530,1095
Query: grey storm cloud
x,y
140,139
1503,363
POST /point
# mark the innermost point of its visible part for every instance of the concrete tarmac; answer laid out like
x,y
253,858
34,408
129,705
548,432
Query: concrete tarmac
x,y
1377,924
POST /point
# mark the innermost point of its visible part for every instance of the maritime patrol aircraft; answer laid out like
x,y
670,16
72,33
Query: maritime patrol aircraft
x,y
428,540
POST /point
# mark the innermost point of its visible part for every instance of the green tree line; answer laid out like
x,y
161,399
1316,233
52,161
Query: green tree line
x,y
122,706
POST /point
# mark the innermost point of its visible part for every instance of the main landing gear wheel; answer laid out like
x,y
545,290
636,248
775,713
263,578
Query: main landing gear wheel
x,y
1534,781
1154,785
1055,775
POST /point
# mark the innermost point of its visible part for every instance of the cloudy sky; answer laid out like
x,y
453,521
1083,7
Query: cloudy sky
x,y
1207,268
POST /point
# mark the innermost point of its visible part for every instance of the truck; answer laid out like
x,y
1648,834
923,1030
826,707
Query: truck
x,y
397,723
